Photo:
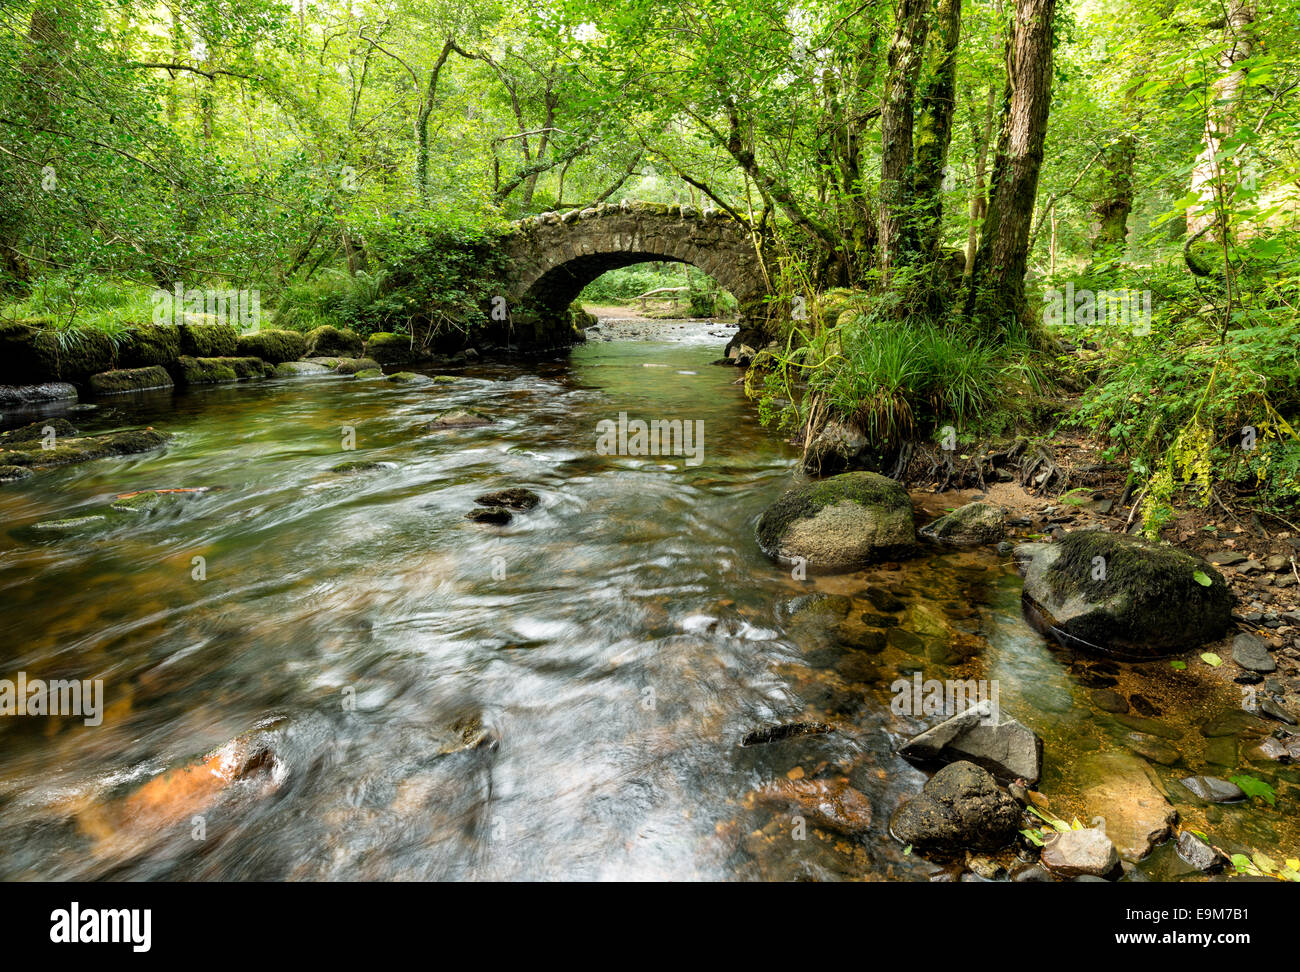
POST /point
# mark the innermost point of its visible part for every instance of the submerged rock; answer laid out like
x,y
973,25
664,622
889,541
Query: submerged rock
x,y
11,474
1251,653
57,428
356,466
1121,594
459,418
1004,747
496,515
71,526
130,380
85,448
1123,790
960,807
971,524
406,378
1076,852
1214,789
368,373
516,498
153,500
831,804
788,730
839,524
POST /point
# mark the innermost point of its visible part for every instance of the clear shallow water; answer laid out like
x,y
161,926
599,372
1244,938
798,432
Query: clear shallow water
x,y
607,651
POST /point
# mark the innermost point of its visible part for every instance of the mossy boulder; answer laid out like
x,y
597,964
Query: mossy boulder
x,y
203,339
249,367
971,524
32,353
300,369
34,432
352,366
368,373
1124,595
388,348
70,526
153,500
406,378
130,380
85,448
839,524
204,371
458,418
273,345
335,342
11,474
144,345
356,466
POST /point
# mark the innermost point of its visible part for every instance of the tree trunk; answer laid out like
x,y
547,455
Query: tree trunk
x,y
1220,108
934,130
905,55
997,289
978,199
1117,198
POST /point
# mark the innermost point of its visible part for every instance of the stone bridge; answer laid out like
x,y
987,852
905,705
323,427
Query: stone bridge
x,y
552,257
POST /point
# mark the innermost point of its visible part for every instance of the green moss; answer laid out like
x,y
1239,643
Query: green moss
x,y
388,348
334,341
67,451
35,431
405,377
356,466
273,345
204,371
150,344
11,474
71,526
208,340
865,488
1131,563
297,369
368,373
129,380
350,366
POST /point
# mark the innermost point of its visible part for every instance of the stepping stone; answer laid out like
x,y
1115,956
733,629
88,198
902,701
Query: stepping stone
x,y
1251,653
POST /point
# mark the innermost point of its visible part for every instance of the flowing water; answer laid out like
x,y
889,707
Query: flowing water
x,y
563,697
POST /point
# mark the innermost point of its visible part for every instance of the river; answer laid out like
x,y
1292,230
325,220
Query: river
x,y
563,697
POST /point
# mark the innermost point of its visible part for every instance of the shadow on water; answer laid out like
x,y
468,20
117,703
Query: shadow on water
x,y
561,697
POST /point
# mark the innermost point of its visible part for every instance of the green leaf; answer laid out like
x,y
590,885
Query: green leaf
x,y
1253,787
1033,837
1211,659
1202,578
1178,665
1244,864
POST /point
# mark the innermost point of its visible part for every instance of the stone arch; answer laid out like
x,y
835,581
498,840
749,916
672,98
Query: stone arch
x,y
552,257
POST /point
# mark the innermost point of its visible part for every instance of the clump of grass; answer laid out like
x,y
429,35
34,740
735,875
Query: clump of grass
x,y
66,304
894,377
